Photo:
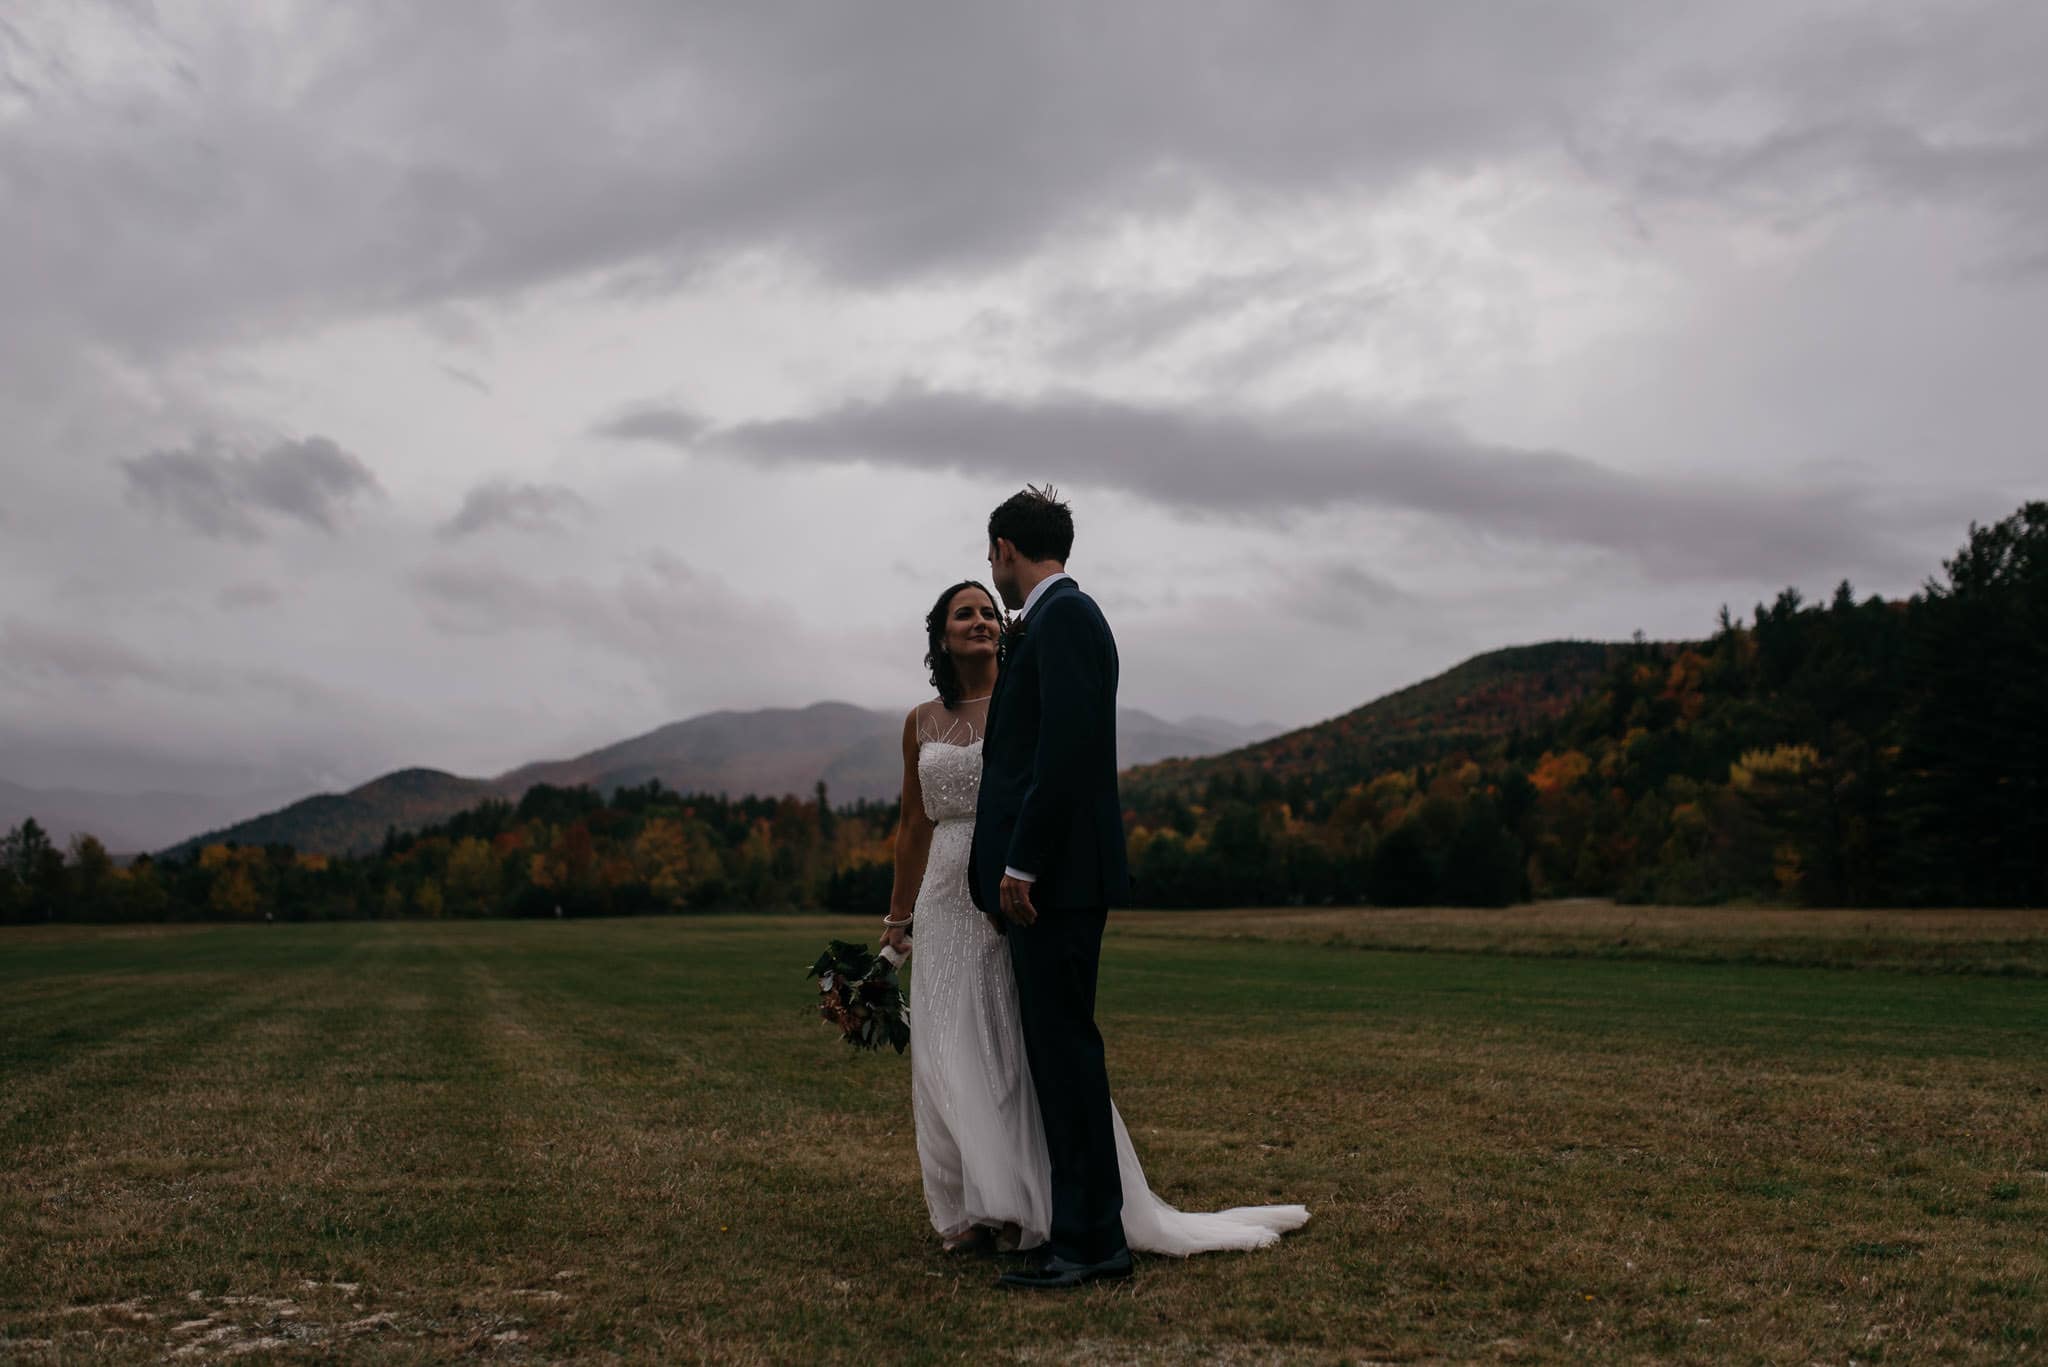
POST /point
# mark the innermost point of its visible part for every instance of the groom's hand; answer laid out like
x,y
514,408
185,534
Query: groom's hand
x,y
1015,895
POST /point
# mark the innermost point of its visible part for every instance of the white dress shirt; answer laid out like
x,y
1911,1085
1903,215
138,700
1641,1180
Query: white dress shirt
x,y
1030,602
1038,592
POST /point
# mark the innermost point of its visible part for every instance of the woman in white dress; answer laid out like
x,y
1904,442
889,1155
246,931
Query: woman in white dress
x,y
987,1179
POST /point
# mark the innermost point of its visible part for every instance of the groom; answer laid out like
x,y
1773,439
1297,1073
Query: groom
x,y
1048,863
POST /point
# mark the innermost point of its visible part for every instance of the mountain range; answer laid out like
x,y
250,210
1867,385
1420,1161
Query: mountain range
x,y
855,751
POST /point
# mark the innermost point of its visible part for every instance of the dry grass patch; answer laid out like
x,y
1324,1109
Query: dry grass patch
x,y
1991,942
631,1141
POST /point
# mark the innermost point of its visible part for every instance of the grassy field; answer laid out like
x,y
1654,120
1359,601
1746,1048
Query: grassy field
x,y
2002,943
1546,1134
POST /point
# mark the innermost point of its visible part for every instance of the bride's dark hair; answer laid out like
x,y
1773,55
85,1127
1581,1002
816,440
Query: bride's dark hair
x,y
945,676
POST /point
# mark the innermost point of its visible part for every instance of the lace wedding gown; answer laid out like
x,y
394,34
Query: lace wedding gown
x,y
979,1140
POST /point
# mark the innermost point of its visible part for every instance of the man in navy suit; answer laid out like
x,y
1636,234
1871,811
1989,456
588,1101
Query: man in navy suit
x,y
1048,862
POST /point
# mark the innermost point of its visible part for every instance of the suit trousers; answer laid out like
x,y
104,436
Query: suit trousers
x,y
1055,960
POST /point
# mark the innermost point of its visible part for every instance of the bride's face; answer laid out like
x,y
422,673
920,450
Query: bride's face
x,y
972,624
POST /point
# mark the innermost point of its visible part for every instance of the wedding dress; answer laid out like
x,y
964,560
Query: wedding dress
x,y
979,1140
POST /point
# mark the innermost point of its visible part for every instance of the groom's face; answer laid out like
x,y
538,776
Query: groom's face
x,y
1002,572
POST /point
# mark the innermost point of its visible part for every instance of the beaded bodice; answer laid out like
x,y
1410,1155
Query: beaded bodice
x,y
951,778
949,757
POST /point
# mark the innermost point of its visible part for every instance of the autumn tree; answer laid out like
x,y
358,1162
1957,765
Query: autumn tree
x,y
472,878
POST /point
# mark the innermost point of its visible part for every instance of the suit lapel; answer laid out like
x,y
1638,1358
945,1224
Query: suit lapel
x,y
995,699
1010,653
1007,666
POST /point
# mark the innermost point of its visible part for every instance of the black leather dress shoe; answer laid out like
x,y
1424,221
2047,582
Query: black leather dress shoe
x,y
1058,1274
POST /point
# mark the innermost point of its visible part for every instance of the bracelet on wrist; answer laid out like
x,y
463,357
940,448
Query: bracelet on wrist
x,y
892,921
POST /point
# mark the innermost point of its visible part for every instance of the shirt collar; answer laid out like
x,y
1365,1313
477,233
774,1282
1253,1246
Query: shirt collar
x,y
1031,599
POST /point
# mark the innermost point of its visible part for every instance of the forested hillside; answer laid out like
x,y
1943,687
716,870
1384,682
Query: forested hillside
x,y
1849,752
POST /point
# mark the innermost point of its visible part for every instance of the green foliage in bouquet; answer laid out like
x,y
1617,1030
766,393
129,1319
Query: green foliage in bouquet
x,y
858,991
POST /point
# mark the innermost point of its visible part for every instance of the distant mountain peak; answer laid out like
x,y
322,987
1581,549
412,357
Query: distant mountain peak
x,y
1486,696
855,751
416,777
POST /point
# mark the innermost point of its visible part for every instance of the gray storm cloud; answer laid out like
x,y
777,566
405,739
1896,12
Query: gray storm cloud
x,y
227,496
1801,172
516,506
1238,465
1632,245
957,137
668,425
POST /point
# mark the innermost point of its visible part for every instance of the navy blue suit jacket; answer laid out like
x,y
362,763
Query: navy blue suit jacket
x,y
1049,803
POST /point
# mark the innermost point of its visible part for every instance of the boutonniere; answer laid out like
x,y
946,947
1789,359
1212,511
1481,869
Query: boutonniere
x,y
1013,636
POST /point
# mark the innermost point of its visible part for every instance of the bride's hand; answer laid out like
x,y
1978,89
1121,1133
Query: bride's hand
x,y
897,938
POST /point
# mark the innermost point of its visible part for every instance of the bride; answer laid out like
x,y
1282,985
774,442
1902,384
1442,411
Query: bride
x,y
987,1178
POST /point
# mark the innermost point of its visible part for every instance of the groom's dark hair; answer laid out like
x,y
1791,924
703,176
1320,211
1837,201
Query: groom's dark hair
x,y
1036,523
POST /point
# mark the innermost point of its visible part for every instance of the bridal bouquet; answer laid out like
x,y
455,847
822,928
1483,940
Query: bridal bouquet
x,y
858,992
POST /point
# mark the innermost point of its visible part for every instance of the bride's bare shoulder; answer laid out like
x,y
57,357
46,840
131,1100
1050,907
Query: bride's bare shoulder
x,y
921,716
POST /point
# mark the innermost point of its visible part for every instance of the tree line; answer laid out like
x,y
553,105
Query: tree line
x,y
1850,752
1844,753
556,852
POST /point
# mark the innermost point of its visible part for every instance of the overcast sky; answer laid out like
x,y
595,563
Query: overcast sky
x,y
463,384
